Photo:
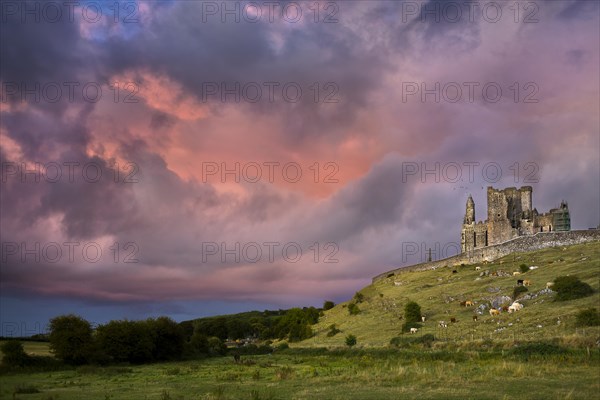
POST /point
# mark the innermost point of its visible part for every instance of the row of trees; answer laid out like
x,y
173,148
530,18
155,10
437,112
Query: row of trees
x,y
73,340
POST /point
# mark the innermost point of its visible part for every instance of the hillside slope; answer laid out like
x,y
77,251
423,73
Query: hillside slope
x,y
440,292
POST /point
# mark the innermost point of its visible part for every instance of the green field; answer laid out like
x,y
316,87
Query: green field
x,y
350,374
525,355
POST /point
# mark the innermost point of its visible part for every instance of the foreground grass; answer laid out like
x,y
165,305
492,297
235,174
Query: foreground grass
x,y
321,374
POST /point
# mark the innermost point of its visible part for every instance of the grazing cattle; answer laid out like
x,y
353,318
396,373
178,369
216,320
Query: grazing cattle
x,y
519,282
474,318
516,273
493,312
527,282
453,320
423,318
236,358
463,303
397,283
549,285
533,267
477,268
454,271
413,330
515,307
443,324
469,303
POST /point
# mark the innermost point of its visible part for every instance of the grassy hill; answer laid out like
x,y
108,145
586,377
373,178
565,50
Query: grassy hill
x,y
440,292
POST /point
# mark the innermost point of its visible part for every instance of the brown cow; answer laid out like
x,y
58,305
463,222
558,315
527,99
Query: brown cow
x,y
469,303
527,282
493,312
474,318
452,320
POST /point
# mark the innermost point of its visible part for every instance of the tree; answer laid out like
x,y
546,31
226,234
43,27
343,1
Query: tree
x,y
14,354
71,339
570,288
168,338
412,312
328,305
131,341
350,340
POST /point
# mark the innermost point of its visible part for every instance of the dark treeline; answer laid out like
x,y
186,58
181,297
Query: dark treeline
x,y
74,341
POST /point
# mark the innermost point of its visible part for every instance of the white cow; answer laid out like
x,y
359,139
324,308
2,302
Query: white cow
x,y
515,307
413,330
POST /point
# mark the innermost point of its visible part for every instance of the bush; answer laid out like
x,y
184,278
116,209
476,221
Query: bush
x,y
282,346
408,341
518,290
359,297
589,317
14,354
537,349
353,309
333,330
328,305
350,340
524,268
412,312
570,288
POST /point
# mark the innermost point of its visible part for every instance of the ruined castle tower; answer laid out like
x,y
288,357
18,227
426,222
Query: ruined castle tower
x,y
509,215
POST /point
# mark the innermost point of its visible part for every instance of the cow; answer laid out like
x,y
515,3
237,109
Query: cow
x,y
453,320
463,303
422,318
443,324
396,283
469,303
414,330
549,285
474,318
533,267
519,282
493,312
515,307
236,358
477,268
516,273
454,271
527,282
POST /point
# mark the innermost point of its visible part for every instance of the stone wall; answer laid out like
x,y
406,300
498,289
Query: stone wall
x,y
540,240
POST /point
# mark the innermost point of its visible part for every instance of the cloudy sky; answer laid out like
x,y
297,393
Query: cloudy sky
x,y
190,158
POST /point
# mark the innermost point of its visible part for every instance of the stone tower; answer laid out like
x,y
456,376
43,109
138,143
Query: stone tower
x,y
509,214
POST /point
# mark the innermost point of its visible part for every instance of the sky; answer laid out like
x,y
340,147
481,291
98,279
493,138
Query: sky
x,y
190,158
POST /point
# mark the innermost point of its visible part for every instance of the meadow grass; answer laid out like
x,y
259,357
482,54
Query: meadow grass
x,y
323,374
